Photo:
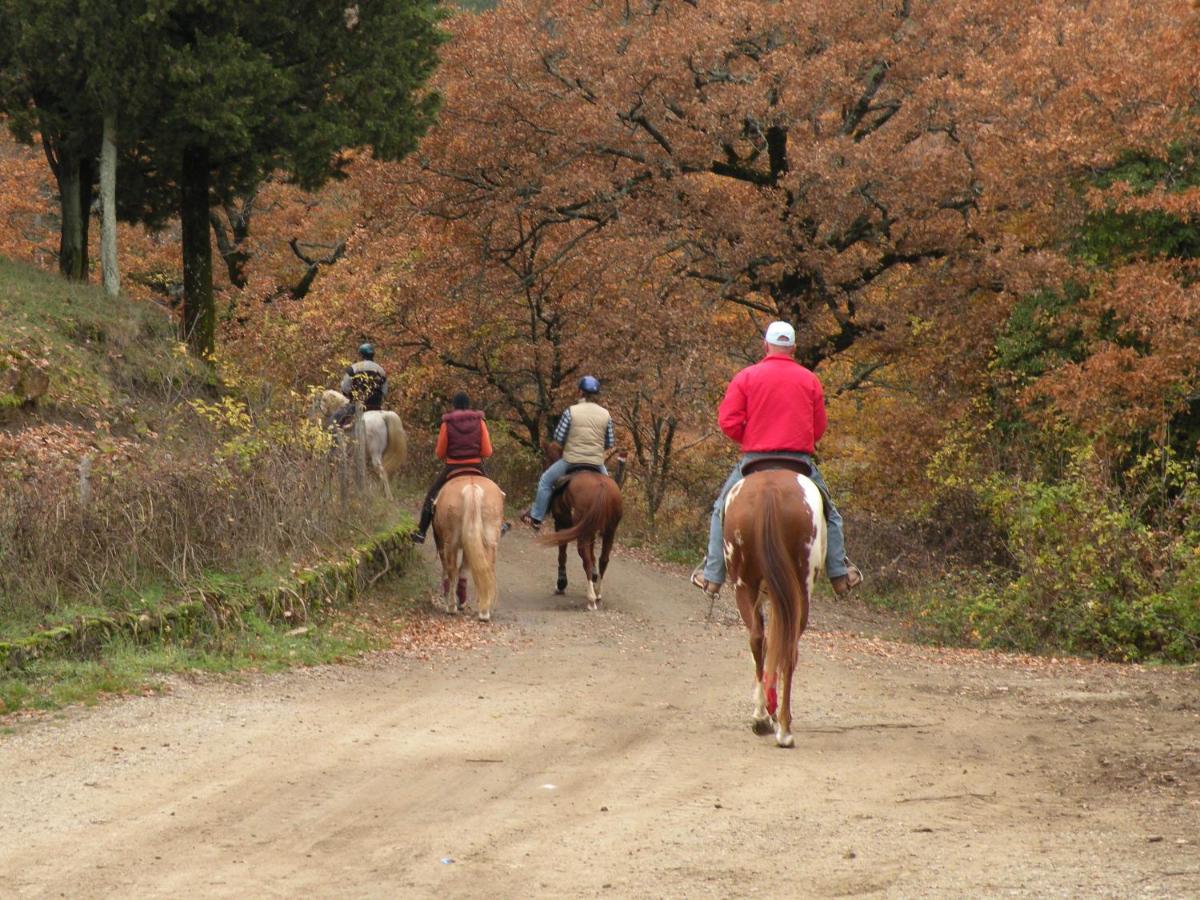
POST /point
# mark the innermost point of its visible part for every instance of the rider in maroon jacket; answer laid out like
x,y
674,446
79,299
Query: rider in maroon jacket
x,y
463,443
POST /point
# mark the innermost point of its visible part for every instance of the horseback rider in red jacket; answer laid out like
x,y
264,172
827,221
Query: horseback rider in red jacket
x,y
775,407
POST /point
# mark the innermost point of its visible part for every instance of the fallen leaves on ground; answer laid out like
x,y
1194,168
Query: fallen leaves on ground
x,y
425,635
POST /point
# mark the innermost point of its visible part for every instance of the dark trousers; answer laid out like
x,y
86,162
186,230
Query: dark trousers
x,y
438,484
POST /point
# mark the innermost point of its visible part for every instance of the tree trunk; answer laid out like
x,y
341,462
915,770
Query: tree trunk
x,y
199,309
72,242
87,187
108,207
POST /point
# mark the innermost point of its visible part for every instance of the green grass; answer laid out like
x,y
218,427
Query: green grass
x,y
98,348
121,666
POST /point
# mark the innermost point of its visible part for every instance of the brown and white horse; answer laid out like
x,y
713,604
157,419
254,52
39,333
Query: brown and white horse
x,y
379,435
467,518
775,541
589,506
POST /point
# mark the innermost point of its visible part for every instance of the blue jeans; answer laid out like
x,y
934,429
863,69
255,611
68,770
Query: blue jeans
x,y
541,501
835,553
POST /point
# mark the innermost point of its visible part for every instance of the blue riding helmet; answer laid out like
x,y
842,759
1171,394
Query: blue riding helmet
x,y
366,351
589,384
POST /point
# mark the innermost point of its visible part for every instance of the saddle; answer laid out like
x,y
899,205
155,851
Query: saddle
x,y
768,463
572,470
788,464
466,470
344,418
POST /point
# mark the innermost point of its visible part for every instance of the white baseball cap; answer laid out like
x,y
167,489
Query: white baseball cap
x,y
780,334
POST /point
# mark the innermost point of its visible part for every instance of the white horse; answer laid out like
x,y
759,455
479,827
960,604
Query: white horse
x,y
379,433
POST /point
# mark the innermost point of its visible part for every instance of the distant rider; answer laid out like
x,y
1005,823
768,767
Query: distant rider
x,y
365,385
775,407
584,432
366,382
463,443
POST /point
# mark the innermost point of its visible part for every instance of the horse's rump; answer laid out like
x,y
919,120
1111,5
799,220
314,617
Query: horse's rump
x,y
774,545
468,515
396,451
602,510
774,529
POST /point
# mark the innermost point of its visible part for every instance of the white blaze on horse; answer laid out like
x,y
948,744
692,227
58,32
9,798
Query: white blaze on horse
x,y
775,538
468,516
379,434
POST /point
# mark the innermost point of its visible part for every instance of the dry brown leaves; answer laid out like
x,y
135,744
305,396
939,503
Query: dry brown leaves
x,y
42,449
846,646
428,635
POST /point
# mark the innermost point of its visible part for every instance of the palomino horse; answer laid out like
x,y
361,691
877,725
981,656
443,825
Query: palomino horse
x,y
379,433
774,548
468,515
588,506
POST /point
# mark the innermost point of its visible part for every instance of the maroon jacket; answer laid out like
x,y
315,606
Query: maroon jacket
x,y
466,437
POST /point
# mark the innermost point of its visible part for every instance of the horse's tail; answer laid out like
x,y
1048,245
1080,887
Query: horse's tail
x,y
396,451
600,513
786,594
475,546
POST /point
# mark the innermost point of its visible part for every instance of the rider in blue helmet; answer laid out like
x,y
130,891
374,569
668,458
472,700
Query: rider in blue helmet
x,y
584,433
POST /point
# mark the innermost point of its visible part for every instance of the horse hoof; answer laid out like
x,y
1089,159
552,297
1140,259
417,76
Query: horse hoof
x,y
560,591
761,726
591,606
562,586
485,617
784,740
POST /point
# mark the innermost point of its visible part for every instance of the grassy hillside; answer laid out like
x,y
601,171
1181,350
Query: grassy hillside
x,y
136,485
131,475
97,354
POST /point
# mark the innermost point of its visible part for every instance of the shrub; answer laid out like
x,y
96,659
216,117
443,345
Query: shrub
x,y
94,516
1087,575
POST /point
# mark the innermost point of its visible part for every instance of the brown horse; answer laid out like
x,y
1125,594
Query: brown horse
x,y
588,506
774,548
467,520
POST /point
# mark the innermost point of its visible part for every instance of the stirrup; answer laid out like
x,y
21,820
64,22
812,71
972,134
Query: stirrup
x,y
703,583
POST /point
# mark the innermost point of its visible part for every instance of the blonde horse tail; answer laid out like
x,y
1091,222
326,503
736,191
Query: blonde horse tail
x,y
787,598
396,451
475,550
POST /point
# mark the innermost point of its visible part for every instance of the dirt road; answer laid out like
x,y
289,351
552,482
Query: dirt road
x,y
609,755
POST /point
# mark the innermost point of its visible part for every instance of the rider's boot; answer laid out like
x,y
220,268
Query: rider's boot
x,y
844,584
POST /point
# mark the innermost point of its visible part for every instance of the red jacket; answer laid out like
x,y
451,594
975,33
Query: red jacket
x,y
776,404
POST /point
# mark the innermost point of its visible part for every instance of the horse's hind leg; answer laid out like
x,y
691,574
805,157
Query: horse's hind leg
x,y
606,546
783,726
587,553
562,569
747,603
381,474
450,567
